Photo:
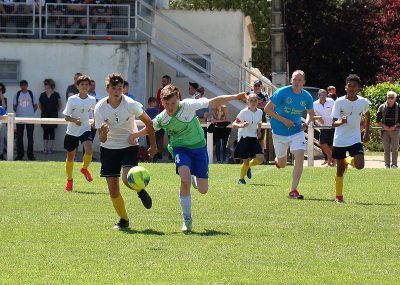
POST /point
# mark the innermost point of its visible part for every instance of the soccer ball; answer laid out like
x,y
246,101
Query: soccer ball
x,y
138,177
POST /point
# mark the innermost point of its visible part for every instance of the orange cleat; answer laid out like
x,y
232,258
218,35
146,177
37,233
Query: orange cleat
x,y
87,174
69,185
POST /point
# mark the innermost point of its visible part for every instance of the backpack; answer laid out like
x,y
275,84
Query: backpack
x,y
30,94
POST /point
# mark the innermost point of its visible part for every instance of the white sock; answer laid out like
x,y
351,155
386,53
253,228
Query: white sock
x,y
186,205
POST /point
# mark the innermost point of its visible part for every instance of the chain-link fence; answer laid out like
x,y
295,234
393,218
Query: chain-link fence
x,y
61,20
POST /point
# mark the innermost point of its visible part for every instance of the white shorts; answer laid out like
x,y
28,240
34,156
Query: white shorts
x,y
294,142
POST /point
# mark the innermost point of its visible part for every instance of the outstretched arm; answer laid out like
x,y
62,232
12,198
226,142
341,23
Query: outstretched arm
x,y
222,99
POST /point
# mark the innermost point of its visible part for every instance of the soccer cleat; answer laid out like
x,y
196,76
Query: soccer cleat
x,y
69,185
121,225
145,198
242,181
194,182
294,194
87,174
339,199
249,173
187,226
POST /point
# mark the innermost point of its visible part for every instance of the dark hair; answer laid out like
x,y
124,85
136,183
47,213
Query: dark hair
x,y
91,80
355,78
151,100
22,82
169,91
83,78
50,82
126,83
114,79
3,87
167,77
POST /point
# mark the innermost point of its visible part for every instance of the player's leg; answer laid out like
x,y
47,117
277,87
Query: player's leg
x,y
281,145
256,151
242,152
86,139
297,147
339,153
110,168
70,145
357,152
198,167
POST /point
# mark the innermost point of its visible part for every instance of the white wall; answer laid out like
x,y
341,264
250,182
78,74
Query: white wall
x,y
60,60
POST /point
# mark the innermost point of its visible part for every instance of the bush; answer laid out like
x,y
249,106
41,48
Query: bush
x,y
376,94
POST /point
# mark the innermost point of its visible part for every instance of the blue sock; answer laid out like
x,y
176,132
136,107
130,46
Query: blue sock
x,y
186,205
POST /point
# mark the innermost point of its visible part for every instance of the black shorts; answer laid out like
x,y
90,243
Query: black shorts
x,y
340,152
326,136
72,142
112,160
247,147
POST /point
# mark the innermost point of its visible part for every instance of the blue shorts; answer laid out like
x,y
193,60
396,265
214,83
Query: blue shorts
x,y
194,158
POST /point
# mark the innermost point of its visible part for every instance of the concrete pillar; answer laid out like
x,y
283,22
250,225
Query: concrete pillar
x,y
278,44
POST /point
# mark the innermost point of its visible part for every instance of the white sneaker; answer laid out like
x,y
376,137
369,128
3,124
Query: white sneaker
x,y
194,182
394,166
187,225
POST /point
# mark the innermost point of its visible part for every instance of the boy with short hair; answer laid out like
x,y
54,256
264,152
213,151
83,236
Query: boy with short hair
x,y
115,119
187,142
77,112
347,113
248,122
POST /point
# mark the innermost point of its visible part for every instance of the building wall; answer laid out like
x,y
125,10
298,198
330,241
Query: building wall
x,y
60,60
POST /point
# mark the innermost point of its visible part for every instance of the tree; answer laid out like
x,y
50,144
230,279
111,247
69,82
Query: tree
x,y
258,10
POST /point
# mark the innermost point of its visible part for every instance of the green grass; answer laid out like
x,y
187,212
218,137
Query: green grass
x,y
243,234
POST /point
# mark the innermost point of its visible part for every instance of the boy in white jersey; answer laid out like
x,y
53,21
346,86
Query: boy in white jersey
x,y
347,113
186,142
77,112
115,120
248,122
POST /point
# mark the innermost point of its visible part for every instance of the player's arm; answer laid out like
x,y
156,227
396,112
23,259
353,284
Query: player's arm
x,y
259,134
76,121
309,118
150,132
367,120
103,131
270,111
238,124
222,99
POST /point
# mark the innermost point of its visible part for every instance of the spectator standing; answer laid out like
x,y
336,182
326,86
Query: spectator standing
x,y
165,80
332,92
262,101
126,91
3,126
285,109
73,88
218,126
92,90
193,93
152,111
25,105
323,108
347,113
388,117
50,104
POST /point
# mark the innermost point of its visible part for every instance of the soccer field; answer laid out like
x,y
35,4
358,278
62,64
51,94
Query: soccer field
x,y
243,234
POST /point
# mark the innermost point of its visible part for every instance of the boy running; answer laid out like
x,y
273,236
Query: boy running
x,y
248,122
187,142
77,112
115,120
347,113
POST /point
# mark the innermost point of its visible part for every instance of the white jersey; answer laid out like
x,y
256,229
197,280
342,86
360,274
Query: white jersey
x,y
349,133
79,108
253,118
121,121
324,110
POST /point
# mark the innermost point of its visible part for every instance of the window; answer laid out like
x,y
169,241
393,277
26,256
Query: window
x,y
205,64
10,71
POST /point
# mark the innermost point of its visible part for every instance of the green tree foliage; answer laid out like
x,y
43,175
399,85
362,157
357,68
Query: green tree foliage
x,y
330,39
260,12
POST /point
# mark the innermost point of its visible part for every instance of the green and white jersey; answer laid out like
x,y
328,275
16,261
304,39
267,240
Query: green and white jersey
x,y
183,128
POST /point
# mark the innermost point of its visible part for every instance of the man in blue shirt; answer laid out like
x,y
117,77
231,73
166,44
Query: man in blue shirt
x,y
285,109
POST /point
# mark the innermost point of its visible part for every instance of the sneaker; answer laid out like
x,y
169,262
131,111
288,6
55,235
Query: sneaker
x,y
394,166
69,185
31,158
187,226
294,194
87,174
19,157
276,164
339,199
242,181
121,225
194,182
145,198
387,166
249,173
325,162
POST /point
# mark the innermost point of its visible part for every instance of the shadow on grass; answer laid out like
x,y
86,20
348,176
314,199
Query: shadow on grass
x,y
206,233
263,184
319,200
355,203
143,232
90,193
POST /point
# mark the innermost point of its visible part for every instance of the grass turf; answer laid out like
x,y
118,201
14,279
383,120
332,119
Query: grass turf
x,y
243,234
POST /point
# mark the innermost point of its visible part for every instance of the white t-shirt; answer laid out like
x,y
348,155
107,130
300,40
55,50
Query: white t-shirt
x,y
121,121
349,133
253,118
324,110
79,108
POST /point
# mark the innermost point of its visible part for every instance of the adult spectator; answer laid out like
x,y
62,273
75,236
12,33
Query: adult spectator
x,y
323,108
73,88
388,117
165,80
101,13
76,13
50,104
219,123
3,126
57,11
126,91
332,92
202,113
193,86
25,105
92,90
262,101
7,8
152,111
